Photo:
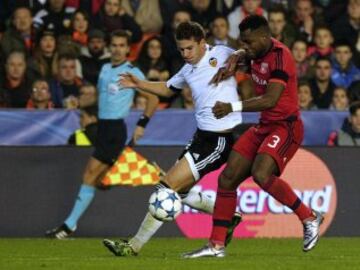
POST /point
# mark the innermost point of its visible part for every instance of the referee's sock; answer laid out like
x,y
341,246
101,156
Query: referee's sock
x,y
83,200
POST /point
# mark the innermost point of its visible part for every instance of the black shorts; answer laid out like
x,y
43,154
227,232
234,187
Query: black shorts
x,y
111,139
207,151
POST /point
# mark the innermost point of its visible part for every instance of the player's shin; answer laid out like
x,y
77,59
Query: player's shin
x,y
147,229
225,206
283,193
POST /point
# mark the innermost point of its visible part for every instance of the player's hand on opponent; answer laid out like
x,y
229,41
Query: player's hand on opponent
x,y
221,109
138,134
229,69
128,80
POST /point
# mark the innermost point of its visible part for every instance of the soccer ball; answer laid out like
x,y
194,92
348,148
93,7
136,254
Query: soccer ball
x,y
165,204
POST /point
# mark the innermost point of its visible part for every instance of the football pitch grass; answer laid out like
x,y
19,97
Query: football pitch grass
x,y
164,253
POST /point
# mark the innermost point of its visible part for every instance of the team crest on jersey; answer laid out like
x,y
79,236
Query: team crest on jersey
x,y
213,61
264,67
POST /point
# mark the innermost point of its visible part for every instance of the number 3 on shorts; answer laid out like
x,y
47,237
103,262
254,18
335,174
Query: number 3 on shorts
x,y
275,141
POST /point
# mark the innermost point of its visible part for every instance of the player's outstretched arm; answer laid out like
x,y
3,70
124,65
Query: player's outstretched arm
x,y
259,103
151,105
129,80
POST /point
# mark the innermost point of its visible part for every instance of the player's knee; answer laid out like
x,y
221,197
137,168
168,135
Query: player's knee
x,y
260,177
227,180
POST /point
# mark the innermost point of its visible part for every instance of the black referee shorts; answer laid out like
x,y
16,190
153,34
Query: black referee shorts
x,y
207,151
111,139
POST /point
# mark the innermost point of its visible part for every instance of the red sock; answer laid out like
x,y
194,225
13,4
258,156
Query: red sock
x,y
283,193
225,205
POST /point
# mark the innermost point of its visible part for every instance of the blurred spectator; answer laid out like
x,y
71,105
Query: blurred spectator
x,y
56,15
92,7
15,84
186,95
170,42
20,35
80,24
153,63
287,4
299,52
220,33
94,56
305,19
248,7
322,87
140,102
225,7
347,26
305,97
344,72
323,40
203,12
279,28
340,100
349,135
45,56
88,95
40,96
168,9
152,60
87,134
65,89
112,17
146,13
354,91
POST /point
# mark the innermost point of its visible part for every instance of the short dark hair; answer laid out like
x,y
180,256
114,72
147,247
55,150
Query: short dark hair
x,y
277,8
190,30
254,22
120,33
323,58
343,43
354,107
299,40
67,56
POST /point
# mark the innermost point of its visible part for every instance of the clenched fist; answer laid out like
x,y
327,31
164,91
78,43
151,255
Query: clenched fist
x,y
221,109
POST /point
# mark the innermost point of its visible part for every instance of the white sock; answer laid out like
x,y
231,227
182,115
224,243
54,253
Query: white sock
x,y
147,229
199,201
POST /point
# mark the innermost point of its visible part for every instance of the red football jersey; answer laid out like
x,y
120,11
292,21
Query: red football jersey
x,y
277,66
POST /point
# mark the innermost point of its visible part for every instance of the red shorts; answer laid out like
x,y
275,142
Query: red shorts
x,y
279,139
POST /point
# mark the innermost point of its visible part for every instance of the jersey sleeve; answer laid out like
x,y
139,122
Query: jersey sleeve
x,y
138,73
280,67
177,82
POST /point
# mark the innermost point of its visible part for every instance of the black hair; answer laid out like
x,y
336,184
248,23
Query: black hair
x,y
220,17
299,40
254,22
343,43
354,107
120,33
323,58
67,56
277,8
190,30
144,60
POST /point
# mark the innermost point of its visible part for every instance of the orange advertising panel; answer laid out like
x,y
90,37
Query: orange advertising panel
x,y
263,216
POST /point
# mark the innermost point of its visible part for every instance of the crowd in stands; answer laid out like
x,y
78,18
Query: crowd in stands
x,y
51,51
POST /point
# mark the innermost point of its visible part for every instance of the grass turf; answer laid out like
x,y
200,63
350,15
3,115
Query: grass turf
x,y
164,253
